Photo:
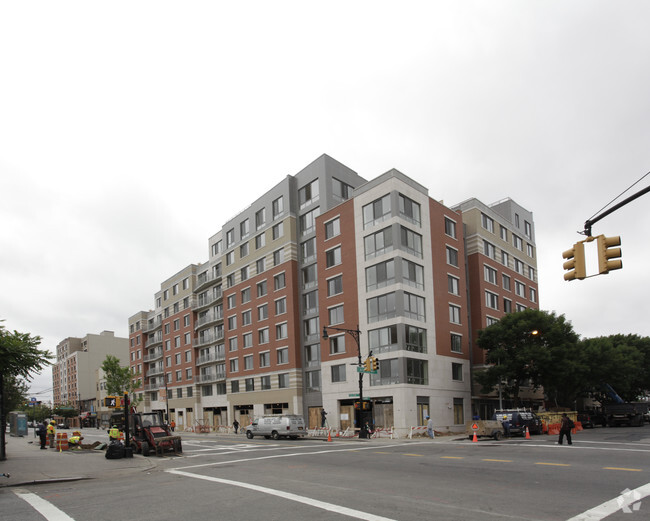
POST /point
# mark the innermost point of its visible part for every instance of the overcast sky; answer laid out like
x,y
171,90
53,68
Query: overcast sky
x,y
131,131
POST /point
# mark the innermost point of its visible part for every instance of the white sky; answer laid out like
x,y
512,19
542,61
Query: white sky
x,y
131,131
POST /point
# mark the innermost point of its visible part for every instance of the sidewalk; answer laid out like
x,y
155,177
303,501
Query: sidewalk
x,y
27,464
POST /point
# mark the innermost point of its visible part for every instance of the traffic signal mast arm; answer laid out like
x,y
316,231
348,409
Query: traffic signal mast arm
x,y
590,222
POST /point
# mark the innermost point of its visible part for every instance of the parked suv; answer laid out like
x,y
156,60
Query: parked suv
x,y
520,419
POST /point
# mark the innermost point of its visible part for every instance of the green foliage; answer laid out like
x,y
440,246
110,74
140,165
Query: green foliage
x,y
19,355
37,413
119,380
15,393
526,348
66,411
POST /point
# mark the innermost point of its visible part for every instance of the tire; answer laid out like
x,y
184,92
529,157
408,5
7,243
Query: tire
x,y
178,447
267,437
249,435
293,437
275,435
145,449
496,436
134,448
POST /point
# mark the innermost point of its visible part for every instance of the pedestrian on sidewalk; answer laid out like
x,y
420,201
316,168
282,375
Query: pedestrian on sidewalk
x,y
50,433
323,418
565,429
235,426
173,425
42,434
430,432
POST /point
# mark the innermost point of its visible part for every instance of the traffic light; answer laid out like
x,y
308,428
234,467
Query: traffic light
x,y
576,262
112,401
375,364
367,364
606,252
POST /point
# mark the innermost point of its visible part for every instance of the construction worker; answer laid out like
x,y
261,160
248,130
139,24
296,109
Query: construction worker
x,y
75,440
51,431
114,433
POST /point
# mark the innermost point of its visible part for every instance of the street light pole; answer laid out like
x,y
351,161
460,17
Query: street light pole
x,y
166,399
356,334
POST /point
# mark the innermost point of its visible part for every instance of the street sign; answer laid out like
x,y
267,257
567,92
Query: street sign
x,y
354,395
34,400
474,427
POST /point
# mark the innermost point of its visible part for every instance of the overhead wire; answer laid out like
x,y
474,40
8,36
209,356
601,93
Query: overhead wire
x,y
619,196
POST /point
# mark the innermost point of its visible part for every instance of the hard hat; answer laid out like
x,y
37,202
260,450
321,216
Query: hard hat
x,y
505,416
52,422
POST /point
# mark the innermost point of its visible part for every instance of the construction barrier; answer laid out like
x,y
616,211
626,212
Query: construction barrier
x,y
417,431
62,441
383,433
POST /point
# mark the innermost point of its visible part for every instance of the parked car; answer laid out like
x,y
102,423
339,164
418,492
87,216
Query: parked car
x,y
519,419
61,426
288,425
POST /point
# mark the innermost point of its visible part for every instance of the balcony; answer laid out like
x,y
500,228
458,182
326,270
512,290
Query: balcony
x,y
151,357
154,340
152,325
205,340
205,279
205,300
208,318
155,372
211,377
154,386
206,359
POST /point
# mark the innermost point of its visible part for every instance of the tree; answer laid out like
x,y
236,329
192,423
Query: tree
x,y
529,347
119,380
19,357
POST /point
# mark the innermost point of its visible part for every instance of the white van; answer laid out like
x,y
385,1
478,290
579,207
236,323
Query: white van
x,y
288,425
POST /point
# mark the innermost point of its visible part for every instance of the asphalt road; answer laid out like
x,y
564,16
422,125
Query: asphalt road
x,y
447,479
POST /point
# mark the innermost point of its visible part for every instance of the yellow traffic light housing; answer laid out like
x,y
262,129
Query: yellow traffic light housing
x,y
112,401
576,262
607,254
367,364
375,364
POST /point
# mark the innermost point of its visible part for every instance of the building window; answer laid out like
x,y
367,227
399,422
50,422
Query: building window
x,y
503,233
340,190
454,314
457,372
234,386
335,286
520,289
281,331
234,365
260,218
333,257
520,307
283,355
263,336
531,273
378,243
245,295
230,238
416,339
487,223
308,221
278,257
505,258
383,339
278,207
232,344
265,359
376,211
262,312
247,339
265,383
260,241
411,242
338,373
279,281
308,194
332,228
506,281
283,381
519,266
507,305
310,302
250,384
232,323
337,345
260,265
518,243
244,229
248,363
308,250
261,288
414,307
533,294
491,300
309,277
452,256
380,275
243,250
312,355
409,209
417,371
459,414
450,227
412,274
456,343
490,274
336,315
453,285
381,307
489,250
530,251
277,231
312,379
280,306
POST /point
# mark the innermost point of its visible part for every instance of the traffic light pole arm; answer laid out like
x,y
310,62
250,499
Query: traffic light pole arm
x,y
590,222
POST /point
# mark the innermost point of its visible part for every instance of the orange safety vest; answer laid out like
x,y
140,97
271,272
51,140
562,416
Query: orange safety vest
x,y
50,429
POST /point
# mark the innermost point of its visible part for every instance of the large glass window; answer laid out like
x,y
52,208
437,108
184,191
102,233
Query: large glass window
x,y
417,371
381,307
308,221
409,209
378,243
337,344
335,285
340,190
383,339
336,315
332,228
338,373
308,250
411,242
333,257
413,274
277,206
376,211
414,307
380,275
416,339
450,227
308,194
452,256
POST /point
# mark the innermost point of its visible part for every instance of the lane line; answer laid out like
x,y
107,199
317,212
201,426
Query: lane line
x,y
452,457
329,507
623,502
553,464
620,468
43,507
499,460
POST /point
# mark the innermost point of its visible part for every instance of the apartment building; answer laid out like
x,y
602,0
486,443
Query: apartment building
x,y
502,273
74,372
323,248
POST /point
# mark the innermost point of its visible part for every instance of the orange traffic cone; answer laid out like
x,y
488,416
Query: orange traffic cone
x,y
527,434
329,435
475,438
337,434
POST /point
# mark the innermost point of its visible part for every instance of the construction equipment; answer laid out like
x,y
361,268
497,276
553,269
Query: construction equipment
x,y
149,433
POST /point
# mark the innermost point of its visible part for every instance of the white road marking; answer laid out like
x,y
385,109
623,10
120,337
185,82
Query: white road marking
x,y
330,507
623,502
43,507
